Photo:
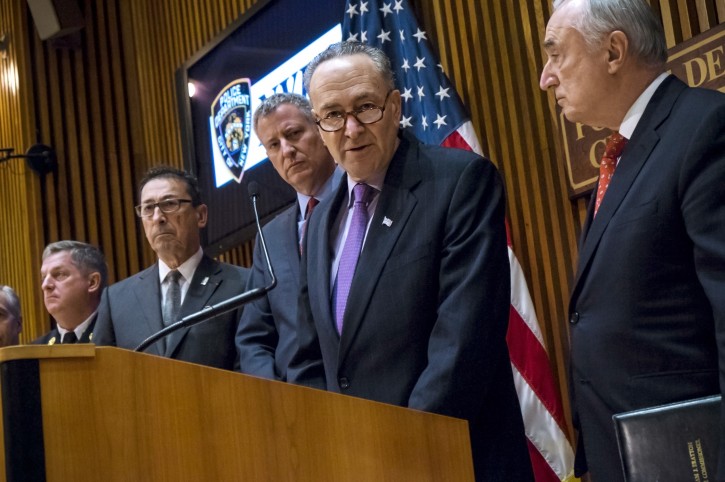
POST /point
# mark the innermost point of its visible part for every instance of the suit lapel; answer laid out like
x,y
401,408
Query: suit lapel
x,y
87,336
148,297
319,259
289,241
205,282
635,156
392,213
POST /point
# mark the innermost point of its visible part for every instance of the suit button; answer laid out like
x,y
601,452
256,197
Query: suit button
x,y
574,318
344,383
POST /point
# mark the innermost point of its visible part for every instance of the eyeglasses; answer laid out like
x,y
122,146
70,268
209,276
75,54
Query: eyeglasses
x,y
166,206
366,114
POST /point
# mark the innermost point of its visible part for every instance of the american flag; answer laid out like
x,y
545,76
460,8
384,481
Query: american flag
x,y
433,111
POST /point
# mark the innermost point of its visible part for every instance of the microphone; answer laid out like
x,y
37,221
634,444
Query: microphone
x,y
230,304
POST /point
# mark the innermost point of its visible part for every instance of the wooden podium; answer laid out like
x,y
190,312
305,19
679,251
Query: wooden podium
x,y
86,413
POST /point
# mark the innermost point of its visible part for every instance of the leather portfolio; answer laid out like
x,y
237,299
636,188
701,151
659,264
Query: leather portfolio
x,y
676,442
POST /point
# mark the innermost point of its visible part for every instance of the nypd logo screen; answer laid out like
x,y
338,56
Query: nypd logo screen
x,y
235,147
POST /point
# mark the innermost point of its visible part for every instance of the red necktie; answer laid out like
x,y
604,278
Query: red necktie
x,y
614,148
310,207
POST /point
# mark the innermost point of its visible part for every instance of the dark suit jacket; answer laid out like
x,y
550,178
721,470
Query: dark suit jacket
x,y
53,336
266,335
425,325
649,295
130,312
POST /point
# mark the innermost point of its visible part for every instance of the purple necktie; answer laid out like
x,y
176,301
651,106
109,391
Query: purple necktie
x,y
362,194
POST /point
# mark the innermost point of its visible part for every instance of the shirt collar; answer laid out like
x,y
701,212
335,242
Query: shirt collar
x,y
634,114
375,181
325,190
187,268
78,330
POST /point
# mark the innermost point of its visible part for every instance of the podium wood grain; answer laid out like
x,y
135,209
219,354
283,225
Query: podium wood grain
x,y
114,415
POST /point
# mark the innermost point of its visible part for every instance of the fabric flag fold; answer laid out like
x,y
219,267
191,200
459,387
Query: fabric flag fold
x,y
433,111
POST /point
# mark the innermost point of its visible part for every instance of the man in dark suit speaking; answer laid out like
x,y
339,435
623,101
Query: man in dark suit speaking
x,y
183,281
647,310
405,277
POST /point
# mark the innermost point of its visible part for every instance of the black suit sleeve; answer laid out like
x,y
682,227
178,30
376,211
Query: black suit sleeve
x,y
306,367
103,333
257,337
703,208
467,354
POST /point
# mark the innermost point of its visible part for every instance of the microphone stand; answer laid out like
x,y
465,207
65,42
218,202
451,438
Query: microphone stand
x,y
238,301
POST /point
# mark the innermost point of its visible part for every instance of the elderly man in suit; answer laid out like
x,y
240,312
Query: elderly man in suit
x,y
183,281
647,310
73,274
286,127
405,276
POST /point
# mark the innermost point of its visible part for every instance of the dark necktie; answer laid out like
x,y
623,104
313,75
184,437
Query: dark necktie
x,y
362,195
308,212
614,148
69,337
173,298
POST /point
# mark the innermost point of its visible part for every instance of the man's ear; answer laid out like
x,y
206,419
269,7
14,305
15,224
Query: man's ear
x,y
319,129
201,215
94,282
617,49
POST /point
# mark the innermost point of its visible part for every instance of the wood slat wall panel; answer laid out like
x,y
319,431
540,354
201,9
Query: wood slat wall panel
x,y
19,186
169,33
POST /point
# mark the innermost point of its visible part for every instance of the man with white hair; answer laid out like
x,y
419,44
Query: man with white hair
x,y
647,310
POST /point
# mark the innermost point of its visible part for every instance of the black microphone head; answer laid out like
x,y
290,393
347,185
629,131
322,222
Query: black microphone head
x,y
253,189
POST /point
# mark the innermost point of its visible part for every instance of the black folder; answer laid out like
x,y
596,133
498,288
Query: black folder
x,y
676,442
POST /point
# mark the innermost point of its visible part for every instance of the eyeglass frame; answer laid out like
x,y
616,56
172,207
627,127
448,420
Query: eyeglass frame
x,y
175,201
355,113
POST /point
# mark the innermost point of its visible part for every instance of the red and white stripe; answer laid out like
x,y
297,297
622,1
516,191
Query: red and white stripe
x,y
551,454
464,138
552,457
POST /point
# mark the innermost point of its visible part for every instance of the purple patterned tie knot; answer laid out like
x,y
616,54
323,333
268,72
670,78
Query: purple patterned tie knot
x,y
362,195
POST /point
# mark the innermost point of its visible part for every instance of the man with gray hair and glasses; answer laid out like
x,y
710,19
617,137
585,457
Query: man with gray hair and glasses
x,y
11,320
647,309
73,276
404,294
182,282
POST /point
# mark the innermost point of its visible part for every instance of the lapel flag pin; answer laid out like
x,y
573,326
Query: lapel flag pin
x,y
387,221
